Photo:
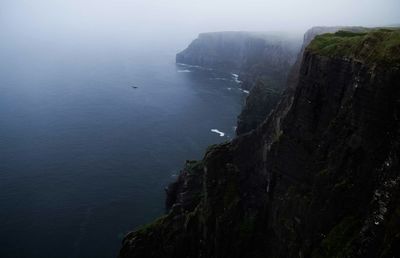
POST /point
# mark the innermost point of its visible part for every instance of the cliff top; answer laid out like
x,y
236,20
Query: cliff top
x,y
370,46
268,36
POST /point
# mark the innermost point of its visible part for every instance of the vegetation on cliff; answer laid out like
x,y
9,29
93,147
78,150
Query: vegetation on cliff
x,y
318,178
372,46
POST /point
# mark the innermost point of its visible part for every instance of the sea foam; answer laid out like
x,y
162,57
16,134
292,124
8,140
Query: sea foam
x,y
194,66
236,78
222,134
244,91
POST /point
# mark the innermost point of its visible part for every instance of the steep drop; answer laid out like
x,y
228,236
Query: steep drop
x,y
318,178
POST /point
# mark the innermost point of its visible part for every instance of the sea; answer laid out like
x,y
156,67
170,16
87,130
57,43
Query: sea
x,y
90,136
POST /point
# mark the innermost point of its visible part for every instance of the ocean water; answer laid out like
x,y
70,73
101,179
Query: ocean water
x,y
90,136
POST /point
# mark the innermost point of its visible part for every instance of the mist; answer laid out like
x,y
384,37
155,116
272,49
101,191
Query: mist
x,y
97,117
125,22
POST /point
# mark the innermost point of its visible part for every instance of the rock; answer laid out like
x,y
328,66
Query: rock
x,y
241,52
318,178
256,57
263,98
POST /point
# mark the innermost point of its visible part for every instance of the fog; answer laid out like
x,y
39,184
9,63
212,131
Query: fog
x,y
180,20
96,118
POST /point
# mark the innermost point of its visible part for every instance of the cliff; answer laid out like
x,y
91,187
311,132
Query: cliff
x,y
308,37
261,59
318,178
245,53
263,98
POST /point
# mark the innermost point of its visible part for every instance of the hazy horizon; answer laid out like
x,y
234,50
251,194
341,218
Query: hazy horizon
x,y
45,21
97,118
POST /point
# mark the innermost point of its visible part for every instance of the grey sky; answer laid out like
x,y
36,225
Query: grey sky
x,y
172,18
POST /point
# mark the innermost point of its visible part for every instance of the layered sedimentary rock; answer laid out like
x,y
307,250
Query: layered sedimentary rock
x,y
318,178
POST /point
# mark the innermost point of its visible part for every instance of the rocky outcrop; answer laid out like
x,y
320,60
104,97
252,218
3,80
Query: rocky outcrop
x,y
265,95
308,37
319,30
262,59
244,53
318,178
262,99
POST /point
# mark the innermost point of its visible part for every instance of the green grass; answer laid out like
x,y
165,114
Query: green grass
x,y
371,46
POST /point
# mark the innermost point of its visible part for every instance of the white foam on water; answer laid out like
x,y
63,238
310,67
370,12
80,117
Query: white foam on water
x,y
184,71
220,79
194,66
222,134
244,91
236,78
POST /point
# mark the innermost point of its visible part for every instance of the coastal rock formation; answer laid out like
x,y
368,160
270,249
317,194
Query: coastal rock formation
x,y
244,53
262,100
318,178
262,59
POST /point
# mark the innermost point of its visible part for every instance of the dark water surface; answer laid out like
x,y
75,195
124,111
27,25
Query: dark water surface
x,y
84,155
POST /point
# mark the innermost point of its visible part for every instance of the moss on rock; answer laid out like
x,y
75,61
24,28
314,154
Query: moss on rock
x,y
372,46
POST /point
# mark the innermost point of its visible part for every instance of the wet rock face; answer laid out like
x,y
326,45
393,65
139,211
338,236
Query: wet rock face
x,y
318,178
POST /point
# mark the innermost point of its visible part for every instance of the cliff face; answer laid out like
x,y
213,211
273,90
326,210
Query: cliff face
x,y
262,60
318,178
260,102
266,93
308,37
242,52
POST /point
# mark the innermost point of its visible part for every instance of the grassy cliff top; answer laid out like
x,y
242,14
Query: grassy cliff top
x,y
371,46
